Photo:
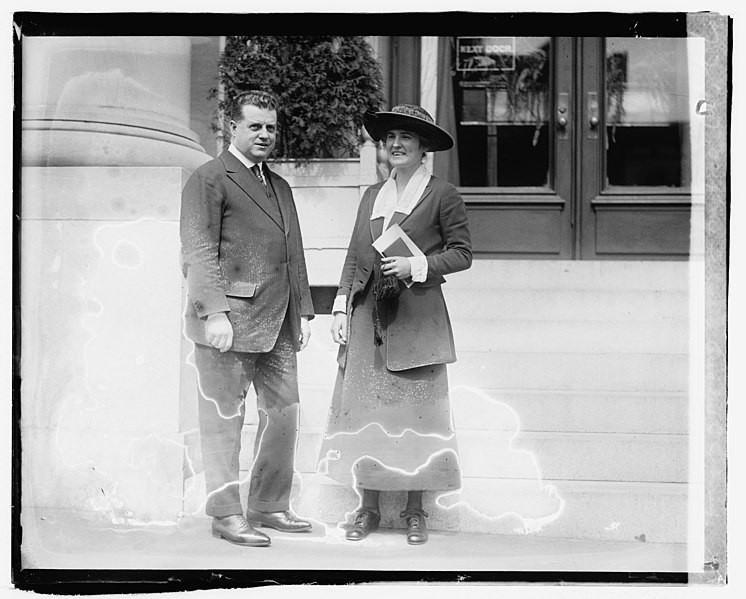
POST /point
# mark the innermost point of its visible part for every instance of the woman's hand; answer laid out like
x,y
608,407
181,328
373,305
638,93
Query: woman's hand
x,y
398,266
339,328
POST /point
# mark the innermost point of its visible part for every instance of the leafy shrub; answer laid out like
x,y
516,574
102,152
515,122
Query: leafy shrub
x,y
323,84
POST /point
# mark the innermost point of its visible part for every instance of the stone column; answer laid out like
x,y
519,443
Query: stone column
x,y
107,101
107,397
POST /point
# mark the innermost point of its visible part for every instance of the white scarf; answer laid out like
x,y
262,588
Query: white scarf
x,y
387,201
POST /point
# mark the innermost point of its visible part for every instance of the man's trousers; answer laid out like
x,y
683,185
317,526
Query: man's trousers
x,y
224,379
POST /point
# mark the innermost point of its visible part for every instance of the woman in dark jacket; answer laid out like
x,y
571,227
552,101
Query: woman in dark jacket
x,y
390,425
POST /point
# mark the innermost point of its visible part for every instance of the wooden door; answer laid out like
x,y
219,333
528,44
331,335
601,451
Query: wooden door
x,y
515,147
634,148
574,148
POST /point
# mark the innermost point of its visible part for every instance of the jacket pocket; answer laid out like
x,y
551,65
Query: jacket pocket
x,y
240,289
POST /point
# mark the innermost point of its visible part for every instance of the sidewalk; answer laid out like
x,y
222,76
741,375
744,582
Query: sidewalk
x,y
54,539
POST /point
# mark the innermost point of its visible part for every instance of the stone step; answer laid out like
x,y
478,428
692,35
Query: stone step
x,y
589,456
565,456
574,274
532,335
571,371
657,336
613,511
646,512
539,410
583,412
561,371
324,262
576,305
605,511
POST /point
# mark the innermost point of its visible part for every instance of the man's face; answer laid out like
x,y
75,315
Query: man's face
x,y
255,134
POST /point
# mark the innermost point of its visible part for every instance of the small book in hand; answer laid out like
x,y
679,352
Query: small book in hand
x,y
395,242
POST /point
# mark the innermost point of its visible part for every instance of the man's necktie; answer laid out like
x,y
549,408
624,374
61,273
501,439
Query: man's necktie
x,y
256,169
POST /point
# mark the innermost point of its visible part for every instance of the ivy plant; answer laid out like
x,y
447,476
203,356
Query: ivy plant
x,y
324,85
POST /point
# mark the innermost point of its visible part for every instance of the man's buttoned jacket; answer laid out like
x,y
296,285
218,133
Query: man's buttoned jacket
x,y
242,253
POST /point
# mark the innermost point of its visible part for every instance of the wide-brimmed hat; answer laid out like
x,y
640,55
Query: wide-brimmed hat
x,y
409,117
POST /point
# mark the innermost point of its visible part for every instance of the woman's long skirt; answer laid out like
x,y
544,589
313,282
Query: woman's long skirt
x,y
389,431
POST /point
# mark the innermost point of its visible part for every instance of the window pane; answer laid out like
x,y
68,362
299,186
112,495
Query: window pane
x,y
647,114
501,90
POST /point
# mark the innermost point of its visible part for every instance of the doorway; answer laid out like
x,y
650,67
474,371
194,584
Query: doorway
x,y
573,148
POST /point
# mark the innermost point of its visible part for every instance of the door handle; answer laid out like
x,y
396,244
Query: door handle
x,y
563,115
593,119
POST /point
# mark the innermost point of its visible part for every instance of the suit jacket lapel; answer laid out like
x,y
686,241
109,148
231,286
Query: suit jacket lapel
x,y
399,217
253,188
282,200
376,226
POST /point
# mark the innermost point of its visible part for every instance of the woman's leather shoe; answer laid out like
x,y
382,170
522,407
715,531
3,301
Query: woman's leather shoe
x,y
416,526
366,521
236,530
285,521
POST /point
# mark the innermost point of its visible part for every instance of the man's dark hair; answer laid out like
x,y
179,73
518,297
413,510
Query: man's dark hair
x,y
252,97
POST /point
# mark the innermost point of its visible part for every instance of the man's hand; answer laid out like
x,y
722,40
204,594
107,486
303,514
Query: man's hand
x,y
305,331
219,331
339,328
398,266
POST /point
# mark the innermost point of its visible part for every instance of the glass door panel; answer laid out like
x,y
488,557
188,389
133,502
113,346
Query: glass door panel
x,y
647,114
502,92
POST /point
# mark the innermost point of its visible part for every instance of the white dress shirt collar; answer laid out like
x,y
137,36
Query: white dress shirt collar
x,y
245,161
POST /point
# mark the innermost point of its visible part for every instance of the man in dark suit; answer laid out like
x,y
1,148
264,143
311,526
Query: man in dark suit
x,y
247,314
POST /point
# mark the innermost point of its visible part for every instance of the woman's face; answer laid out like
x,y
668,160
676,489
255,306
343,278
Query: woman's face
x,y
404,149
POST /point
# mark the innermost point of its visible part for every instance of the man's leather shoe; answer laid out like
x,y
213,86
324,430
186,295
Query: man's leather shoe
x,y
285,521
236,530
366,521
416,527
